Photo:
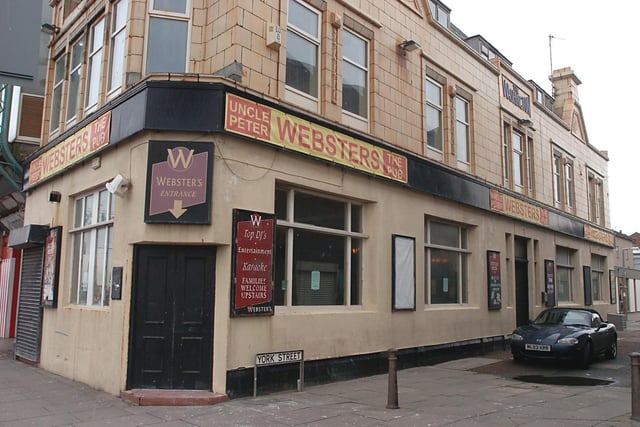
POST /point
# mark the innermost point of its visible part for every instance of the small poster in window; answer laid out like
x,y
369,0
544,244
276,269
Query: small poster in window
x,y
51,268
315,280
612,286
550,280
494,280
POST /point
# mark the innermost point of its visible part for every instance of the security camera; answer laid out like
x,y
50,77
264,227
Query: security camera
x,y
118,185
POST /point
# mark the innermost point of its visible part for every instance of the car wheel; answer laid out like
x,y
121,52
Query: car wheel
x,y
585,361
612,351
518,358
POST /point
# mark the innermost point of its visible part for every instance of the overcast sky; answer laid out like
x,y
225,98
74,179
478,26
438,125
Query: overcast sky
x,y
598,40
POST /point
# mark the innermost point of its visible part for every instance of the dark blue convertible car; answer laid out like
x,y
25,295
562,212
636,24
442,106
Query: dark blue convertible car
x,y
575,334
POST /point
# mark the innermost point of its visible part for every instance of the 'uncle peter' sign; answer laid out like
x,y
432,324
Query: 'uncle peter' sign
x,y
253,243
178,182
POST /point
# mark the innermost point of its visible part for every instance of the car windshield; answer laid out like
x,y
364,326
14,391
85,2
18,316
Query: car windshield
x,y
564,317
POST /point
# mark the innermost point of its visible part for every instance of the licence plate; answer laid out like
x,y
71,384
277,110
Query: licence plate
x,y
537,347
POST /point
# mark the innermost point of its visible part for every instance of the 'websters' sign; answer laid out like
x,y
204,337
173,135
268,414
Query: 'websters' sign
x,y
82,144
252,287
248,118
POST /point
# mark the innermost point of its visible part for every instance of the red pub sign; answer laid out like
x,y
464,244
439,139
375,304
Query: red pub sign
x,y
252,287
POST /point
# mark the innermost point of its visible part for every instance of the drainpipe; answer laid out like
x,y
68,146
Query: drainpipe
x,y
5,151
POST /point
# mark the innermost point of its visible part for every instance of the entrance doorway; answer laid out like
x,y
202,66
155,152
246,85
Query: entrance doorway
x,y
171,341
522,282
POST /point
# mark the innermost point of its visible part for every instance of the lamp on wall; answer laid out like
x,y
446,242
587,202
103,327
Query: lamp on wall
x,y
55,196
525,123
118,185
409,45
49,29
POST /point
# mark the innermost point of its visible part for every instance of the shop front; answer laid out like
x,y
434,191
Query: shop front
x,y
201,226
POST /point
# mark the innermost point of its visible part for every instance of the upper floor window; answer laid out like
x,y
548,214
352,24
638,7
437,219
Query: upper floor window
x,y
433,112
568,183
439,13
303,48
530,166
596,198
446,258
318,250
70,6
94,73
167,40
517,159
463,129
75,78
92,238
486,51
355,74
118,39
56,95
563,181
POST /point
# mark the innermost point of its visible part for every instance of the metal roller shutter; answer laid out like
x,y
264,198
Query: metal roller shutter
x,y
29,322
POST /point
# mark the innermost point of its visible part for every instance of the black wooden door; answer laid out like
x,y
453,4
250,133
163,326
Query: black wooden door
x,y
522,292
171,343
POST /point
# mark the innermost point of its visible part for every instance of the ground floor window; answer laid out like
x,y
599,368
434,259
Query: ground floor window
x,y
446,258
92,237
318,249
564,271
597,277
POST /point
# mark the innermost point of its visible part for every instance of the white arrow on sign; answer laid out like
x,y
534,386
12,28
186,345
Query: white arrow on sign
x,y
177,210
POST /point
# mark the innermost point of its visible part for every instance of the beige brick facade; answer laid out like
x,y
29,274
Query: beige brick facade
x,y
562,193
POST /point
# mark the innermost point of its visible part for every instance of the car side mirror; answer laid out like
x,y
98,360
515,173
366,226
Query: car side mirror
x,y
603,325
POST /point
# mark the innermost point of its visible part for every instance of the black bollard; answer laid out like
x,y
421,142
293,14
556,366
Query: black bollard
x,y
635,386
392,398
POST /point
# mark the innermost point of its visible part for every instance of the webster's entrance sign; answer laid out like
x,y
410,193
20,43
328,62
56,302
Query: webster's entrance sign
x,y
178,182
252,287
248,118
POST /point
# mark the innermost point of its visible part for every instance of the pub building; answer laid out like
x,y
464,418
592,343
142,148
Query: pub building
x,y
298,180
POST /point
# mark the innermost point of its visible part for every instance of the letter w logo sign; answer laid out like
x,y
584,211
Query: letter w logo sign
x,y
255,220
179,158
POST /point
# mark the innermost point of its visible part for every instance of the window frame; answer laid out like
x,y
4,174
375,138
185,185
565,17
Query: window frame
x,y
464,124
95,62
117,38
353,245
364,68
595,194
517,175
438,12
160,14
438,109
563,181
463,253
517,155
86,230
598,268
307,99
530,159
79,70
565,265
57,92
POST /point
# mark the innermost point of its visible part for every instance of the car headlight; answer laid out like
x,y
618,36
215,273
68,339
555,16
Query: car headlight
x,y
571,341
516,337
